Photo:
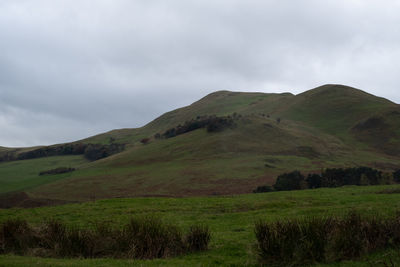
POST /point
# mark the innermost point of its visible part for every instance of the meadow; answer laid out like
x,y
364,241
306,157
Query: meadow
x,y
231,220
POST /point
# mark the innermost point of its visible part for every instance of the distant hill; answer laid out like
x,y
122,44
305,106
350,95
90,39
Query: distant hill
x,y
329,126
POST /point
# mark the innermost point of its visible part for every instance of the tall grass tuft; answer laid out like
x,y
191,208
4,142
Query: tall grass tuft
x,y
197,238
16,236
140,238
302,242
149,238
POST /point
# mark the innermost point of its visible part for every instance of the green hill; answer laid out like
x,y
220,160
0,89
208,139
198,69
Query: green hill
x,y
329,126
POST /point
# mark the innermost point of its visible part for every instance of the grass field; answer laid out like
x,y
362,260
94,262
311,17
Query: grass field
x,y
24,174
231,219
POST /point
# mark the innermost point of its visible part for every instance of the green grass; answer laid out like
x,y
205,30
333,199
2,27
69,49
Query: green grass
x,y
231,219
24,174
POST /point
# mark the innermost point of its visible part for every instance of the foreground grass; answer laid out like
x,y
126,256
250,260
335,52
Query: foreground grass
x,y
231,220
378,259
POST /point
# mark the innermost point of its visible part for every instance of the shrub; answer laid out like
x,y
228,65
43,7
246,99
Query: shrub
x,y
293,241
314,181
141,238
197,238
290,181
16,236
149,238
263,189
334,177
303,242
91,151
57,171
396,176
145,141
211,123
97,151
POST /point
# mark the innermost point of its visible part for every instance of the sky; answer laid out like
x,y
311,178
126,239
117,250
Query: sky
x,y
73,69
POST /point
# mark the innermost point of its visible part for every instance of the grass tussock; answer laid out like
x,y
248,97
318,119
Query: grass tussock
x,y
389,191
312,240
198,237
140,238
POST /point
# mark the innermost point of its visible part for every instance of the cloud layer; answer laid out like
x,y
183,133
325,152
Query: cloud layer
x,y
71,69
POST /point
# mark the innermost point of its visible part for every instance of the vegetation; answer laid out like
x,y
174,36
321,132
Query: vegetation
x,y
231,220
90,151
140,238
331,177
263,189
23,175
290,181
211,123
311,240
396,176
57,170
97,151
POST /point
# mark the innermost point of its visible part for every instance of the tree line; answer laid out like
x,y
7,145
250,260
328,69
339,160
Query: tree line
x,y
90,151
211,123
331,177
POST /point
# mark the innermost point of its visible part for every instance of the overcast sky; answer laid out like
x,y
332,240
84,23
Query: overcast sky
x,y
72,69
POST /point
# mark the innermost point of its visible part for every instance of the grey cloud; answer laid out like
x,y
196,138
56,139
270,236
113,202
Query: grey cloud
x,y
69,70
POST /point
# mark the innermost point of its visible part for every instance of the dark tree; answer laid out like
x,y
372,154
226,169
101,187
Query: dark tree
x,y
145,141
289,181
314,181
263,189
396,176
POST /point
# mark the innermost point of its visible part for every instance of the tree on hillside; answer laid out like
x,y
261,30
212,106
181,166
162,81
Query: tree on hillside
x,y
145,141
314,180
290,181
396,176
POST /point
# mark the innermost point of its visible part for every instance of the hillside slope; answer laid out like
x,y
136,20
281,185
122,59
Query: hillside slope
x,y
329,126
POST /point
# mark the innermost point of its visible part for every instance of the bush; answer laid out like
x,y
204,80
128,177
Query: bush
x,y
290,181
97,151
314,181
396,176
284,242
90,151
302,242
334,177
197,238
211,123
57,171
263,189
141,238
149,238
16,236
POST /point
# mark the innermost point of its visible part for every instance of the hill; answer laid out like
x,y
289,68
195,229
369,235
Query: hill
x,y
265,135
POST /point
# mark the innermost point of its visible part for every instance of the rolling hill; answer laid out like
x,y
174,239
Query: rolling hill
x,y
329,126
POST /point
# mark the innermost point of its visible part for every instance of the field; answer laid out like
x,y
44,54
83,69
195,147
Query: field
x,y
23,175
231,219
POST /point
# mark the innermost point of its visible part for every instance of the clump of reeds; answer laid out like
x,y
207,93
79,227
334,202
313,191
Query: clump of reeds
x,y
307,241
140,238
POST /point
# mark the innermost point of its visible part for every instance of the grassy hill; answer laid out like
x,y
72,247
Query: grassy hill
x,y
329,126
